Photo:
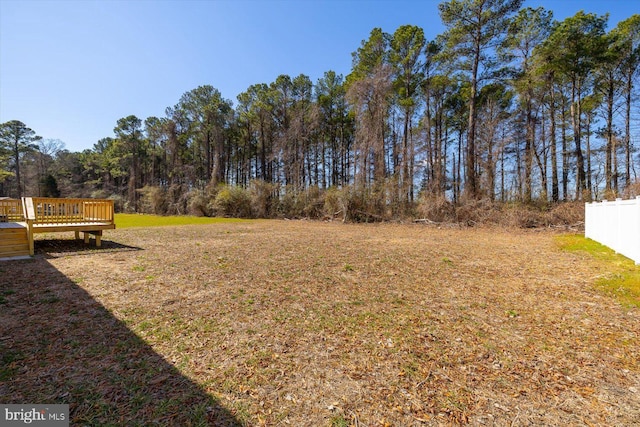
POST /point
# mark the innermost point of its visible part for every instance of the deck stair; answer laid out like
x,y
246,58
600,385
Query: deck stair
x,y
14,240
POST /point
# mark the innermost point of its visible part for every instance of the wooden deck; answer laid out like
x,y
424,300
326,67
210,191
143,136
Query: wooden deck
x,y
21,219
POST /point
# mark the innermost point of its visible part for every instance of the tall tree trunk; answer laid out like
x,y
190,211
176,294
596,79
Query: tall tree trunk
x,y
442,158
491,174
588,147
459,165
528,150
627,132
610,142
519,177
542,162
471,187
263,153
454,179
405,160
502,195
429,142
576,113
208,154
555,190
565,153
16,159
379,170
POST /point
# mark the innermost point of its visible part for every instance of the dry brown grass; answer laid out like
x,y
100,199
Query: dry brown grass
x,y
308,323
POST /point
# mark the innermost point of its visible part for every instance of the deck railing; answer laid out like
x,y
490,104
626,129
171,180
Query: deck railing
x,y
51,211
11,210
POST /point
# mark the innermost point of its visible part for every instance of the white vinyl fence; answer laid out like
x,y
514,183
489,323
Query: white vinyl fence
x,y
616,225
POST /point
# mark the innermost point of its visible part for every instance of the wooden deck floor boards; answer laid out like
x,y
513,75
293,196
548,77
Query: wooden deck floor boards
x,y
13,225
73,226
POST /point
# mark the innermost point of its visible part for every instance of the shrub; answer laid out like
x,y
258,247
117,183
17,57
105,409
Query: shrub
x,y
231,201
153,200
313,202
632,190
306,203
198,203
332,204
291,203
521,216
264,198
471,212
100,194
569,213
436,208
176,199
362,205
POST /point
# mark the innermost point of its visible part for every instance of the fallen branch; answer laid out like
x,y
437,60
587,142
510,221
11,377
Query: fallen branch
x,y
426,221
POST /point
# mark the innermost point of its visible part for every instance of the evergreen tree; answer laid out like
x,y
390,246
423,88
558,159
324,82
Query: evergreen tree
x,y
475,28
16,139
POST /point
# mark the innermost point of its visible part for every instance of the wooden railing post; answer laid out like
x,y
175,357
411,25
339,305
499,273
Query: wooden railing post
x,y
29,216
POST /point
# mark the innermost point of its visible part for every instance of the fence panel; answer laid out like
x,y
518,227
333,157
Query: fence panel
x,y
616,225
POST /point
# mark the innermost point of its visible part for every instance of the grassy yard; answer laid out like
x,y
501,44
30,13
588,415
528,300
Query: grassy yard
x,y
309,323
622,278
137,220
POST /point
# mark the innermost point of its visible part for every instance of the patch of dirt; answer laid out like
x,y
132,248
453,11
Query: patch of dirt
x,y
308,323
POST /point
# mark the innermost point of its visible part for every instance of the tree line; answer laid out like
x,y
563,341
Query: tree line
x,y
507,104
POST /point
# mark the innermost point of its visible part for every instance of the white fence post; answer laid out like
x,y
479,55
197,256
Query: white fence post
x,y
637,235
617,244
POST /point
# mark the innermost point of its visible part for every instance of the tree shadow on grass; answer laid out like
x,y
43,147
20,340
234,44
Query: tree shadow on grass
x,y
59,345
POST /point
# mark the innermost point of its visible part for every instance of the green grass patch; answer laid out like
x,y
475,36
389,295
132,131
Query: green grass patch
x,y
4,293
138,220
339,421
622,278
8,365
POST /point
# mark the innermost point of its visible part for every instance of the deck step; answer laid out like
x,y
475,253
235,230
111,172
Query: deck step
x,y
14,255
12,248
13,237
14,242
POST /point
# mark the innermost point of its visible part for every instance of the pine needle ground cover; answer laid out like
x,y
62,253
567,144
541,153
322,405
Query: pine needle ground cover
x,y
309,323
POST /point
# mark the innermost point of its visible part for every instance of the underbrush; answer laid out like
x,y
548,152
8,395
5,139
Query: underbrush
x,y
633,190
352,204
518,215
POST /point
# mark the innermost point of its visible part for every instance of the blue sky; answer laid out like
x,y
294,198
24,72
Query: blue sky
x,y
71,69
